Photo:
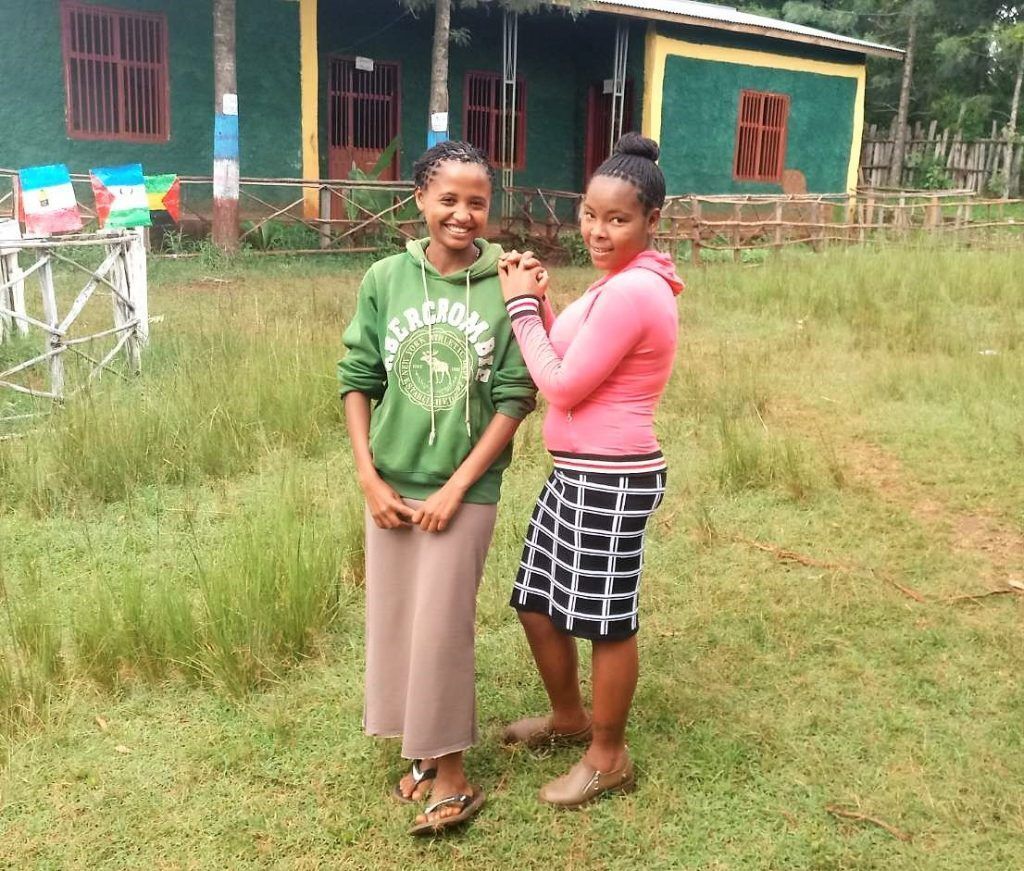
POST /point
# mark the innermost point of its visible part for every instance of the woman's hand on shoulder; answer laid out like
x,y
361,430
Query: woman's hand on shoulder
x,y
522,275
386,507
436,513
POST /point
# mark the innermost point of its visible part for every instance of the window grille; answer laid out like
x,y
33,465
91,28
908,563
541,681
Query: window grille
x,y
762,135
482,116
364,105
115,73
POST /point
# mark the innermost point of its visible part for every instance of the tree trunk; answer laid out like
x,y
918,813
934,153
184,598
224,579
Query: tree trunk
x,y
439,72
899,152
1011,130
225,136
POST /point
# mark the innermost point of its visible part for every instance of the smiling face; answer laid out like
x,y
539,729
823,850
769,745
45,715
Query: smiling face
x,y
613,222
455,203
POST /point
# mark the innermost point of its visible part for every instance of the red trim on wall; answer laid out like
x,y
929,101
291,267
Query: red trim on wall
x,y
481,115
116,80
762,134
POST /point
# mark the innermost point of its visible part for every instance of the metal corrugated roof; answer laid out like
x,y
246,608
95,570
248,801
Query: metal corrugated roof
x,y
730,18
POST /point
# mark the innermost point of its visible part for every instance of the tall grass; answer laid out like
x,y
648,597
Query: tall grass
x,y
238,383
240,608
234,429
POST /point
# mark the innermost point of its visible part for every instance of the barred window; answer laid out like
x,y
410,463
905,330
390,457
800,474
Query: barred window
x,y
761,138
482,116
115,73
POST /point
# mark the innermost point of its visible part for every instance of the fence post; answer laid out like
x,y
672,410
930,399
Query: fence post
x,y
695,242
49,295
737,232
851,216
325,218
777,247
138,287
121,279
6,301
816,228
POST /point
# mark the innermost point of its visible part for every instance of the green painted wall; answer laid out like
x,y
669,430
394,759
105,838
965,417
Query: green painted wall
x,y
559,58
32,122
701,110
699,134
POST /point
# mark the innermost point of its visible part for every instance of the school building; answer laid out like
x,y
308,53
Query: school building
x,y
740,103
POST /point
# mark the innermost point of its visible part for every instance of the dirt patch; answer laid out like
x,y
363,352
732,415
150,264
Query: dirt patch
x,y
982,535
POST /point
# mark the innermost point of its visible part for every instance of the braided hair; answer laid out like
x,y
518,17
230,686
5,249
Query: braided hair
x,y
425,168
634,160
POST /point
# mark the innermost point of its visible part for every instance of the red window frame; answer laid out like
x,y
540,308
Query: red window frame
x,y
761,137
365,107
481,115
116,78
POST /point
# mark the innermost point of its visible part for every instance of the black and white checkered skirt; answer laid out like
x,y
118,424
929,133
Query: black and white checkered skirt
x,y
584,550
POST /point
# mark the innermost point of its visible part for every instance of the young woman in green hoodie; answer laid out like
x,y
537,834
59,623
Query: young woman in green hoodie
x,y
431,349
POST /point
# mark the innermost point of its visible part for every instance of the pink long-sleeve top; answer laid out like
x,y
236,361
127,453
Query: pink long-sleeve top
x,y
603,363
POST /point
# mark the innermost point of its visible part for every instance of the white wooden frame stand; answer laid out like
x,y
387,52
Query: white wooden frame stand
x,y
122,274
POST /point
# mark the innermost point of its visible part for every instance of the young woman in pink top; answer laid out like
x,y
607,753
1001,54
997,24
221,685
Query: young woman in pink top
x,y
602,365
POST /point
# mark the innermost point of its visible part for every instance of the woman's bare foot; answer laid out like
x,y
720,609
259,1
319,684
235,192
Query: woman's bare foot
x,y
443,789
451,780
412,790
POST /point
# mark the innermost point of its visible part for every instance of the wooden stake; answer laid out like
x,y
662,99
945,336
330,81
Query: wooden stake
x,y
51,317
139,286
695,243
737,239
325,218
837,811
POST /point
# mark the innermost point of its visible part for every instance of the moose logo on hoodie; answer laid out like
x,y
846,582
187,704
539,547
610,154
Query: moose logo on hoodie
x,y
436,350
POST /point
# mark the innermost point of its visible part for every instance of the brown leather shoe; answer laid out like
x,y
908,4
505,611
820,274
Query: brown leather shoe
x,y
584,783
534,732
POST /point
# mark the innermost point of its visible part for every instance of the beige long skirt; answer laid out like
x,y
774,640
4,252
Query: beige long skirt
x,y
420,613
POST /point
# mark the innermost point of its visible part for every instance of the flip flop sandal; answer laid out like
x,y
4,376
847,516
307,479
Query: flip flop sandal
x,y
470,806
418,776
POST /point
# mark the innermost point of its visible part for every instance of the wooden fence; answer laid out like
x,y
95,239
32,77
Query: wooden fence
x,y
358,216
977,165
353,216
730,225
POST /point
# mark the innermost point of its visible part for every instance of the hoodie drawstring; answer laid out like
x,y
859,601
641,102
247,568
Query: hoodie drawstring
x,y
469,358
430,352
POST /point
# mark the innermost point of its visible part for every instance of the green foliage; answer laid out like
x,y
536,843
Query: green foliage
x,y
929,173
363,204
277,235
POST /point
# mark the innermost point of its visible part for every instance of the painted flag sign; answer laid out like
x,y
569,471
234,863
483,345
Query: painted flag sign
x,y
48,203
164,194
120,193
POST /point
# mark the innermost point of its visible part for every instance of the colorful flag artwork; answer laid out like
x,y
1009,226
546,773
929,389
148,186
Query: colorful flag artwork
x,y
164,193
48,202
121,199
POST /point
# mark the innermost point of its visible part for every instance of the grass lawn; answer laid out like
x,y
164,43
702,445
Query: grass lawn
x,y
180,592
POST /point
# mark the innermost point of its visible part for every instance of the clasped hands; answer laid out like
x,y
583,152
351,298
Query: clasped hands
x,y
389,511
522,275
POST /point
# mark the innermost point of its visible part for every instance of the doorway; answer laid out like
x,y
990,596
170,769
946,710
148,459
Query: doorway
x,y
363,115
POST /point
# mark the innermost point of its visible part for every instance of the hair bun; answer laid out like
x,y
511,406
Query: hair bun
x,y
638,146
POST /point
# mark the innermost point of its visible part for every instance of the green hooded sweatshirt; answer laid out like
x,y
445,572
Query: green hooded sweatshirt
x,y
437,356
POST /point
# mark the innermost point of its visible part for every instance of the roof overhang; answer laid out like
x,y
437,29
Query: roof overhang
x,y
728,18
